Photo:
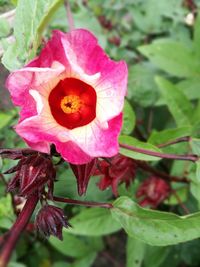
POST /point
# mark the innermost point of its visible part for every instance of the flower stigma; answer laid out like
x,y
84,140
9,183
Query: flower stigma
x,y
71,103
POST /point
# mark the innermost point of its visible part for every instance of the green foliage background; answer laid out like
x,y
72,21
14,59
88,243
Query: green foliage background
x,y
163,103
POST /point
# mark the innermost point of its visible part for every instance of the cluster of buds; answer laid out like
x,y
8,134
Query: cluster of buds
x,y
50,220
33,172
153,191
119,169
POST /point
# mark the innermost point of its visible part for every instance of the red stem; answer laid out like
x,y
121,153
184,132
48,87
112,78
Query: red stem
x,y
178,140
83,203
192,158
144,166
17,229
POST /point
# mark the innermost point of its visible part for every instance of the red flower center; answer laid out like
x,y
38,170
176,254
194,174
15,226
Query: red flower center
x,y
73,103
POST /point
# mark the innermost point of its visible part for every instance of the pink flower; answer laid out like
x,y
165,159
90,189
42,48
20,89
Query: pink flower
x,y
72,96
152,192
120,170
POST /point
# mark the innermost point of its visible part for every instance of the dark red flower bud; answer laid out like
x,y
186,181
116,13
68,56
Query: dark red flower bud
x,y
17,153
119,169
83,173
50,220
32,173
105,23
115,40
152,192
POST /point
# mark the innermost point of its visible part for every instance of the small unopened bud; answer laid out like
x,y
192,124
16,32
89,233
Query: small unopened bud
x,y
50,220
152,192
83,173
32,173
117,170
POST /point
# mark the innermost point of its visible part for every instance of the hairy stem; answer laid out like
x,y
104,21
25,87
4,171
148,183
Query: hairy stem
x,y
192,158
15,232
82,203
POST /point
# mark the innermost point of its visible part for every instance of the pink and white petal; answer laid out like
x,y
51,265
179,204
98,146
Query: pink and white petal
x,y
38,129
53,51
39,146
21,81
39,135
87,59
96,141
72,153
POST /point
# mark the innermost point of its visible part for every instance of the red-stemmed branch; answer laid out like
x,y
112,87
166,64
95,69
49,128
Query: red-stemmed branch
x,y
82,203
192,157
178,140
18,227
145,167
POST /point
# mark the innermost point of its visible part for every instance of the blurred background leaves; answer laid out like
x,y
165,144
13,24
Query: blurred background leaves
x,y
160,41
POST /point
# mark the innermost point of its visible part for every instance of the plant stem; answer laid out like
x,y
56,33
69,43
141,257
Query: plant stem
x,y
185,209
17,229
83,203
69,15
178,140
192,158
144,166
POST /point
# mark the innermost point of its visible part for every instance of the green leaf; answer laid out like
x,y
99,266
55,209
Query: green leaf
x,y
142,88
155,227
93,222
15,264
155,256
195,183
131,141
162,137
68,246
60,264
196,42
179,106
198,171
5,117
190,87
10,58
67,186
28,29
128,118
4,28
181,192
173,57
6,212
195,145
135,252
87,261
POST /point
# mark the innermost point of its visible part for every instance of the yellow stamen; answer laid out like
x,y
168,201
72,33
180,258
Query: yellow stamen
x,y
70,104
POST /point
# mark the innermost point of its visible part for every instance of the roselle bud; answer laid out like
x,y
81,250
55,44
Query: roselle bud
x,y
16,153
152,192
50,220
119,169
32,173
105,23
83,173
